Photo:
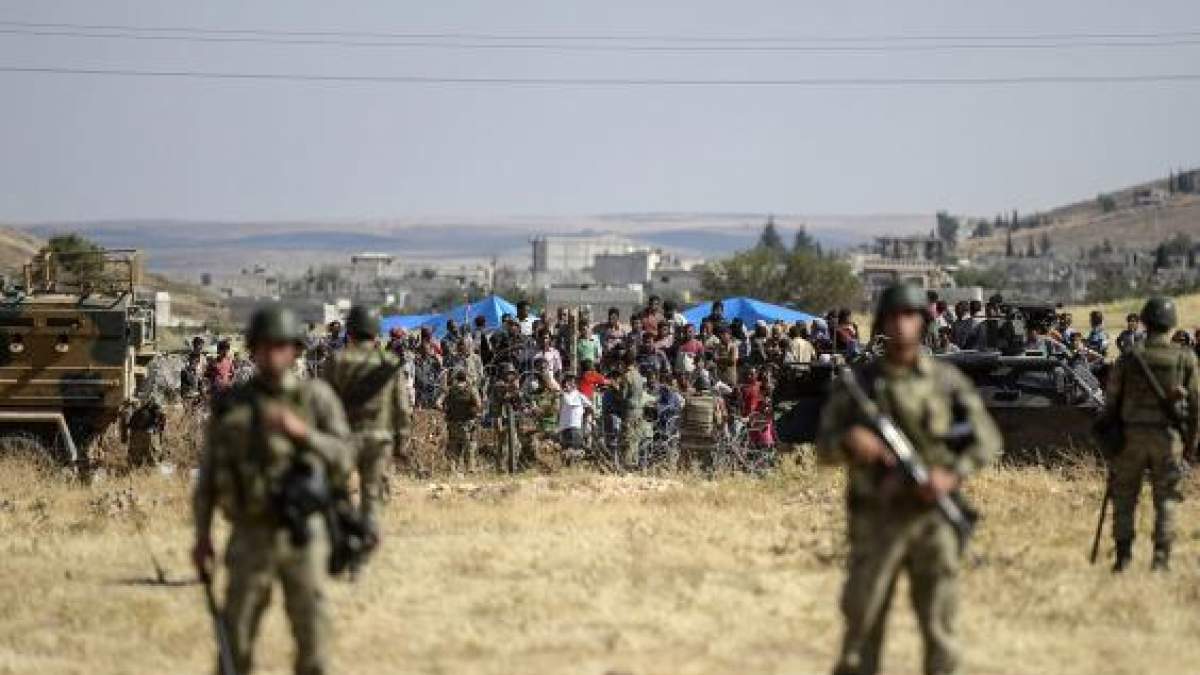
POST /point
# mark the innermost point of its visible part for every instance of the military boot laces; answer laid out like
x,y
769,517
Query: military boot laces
x,y
1162,559
1124,556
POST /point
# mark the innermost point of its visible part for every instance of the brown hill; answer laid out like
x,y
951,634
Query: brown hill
x,y
1131,222
16,247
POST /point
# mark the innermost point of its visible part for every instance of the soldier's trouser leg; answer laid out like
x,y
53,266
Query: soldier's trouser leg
x,y
249,563
1128,471
1165,459
933,565
454,444
877,550
373,456
470,447
301,574
631,434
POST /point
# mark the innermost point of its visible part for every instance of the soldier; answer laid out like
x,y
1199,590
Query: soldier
x,y
146,426
701,419
368,381
631,389
505,402
463,405
893,527
1153,442
263,435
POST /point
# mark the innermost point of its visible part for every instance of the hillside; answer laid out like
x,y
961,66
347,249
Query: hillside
x,y
16,247
1084,224
187,300
187,248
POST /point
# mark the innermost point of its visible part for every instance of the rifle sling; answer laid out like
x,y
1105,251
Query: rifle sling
x,y
368,387
1159,394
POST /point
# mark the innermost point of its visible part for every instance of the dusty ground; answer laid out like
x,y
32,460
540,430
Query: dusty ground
x,y
581,573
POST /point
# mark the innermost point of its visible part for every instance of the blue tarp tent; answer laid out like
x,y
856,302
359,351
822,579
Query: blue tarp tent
x,y
407,322
749,311
490,308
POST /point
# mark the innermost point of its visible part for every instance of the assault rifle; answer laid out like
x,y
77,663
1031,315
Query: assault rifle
x,y
953,506
224,647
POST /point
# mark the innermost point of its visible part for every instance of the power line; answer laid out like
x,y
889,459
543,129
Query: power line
x,y
660,38
430,43
614,82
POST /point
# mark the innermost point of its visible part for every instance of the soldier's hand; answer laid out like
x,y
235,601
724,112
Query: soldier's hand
x,y
942,481
280,420
203,557
866,447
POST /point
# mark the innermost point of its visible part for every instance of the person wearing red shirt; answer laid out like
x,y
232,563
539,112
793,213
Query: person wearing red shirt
x,y
590,379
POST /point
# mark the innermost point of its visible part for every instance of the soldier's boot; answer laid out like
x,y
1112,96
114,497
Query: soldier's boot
x,y
1162,558
1124,556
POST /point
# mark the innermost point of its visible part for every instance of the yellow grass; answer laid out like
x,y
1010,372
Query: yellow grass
x,y
580,573
1188,307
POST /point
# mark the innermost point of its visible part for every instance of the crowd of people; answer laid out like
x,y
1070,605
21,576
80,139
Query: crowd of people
x,y
650,387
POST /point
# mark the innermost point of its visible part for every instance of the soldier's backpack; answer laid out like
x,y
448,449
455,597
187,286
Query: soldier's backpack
x,y
461,404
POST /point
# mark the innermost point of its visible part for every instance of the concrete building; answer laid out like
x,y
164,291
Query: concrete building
x,y
912,247
558,253
877,272
622,269
599,299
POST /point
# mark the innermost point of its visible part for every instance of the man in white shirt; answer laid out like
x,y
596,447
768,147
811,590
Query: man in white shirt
x,y
550,355
524,319
571,408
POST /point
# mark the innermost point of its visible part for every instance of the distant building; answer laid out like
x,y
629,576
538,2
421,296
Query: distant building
x,y
599,299
914,247
622,269
559,253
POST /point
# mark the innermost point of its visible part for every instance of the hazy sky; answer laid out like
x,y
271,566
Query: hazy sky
x,y
87,147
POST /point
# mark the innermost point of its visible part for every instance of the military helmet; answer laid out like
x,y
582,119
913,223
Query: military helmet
x,y
274,323
901,298
1159,314
362,322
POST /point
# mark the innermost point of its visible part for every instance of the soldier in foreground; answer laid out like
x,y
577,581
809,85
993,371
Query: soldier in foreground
x,y
702,418
368,382
1154,390
268,441
893,525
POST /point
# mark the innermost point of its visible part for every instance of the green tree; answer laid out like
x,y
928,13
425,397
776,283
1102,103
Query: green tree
x,y
803,278
76,254
983,228
805,242
1015,223
1045,244
1009,251
1107,203
770,239
947,229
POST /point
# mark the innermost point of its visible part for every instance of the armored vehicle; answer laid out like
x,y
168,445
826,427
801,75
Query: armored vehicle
x,y
74,341
1043,404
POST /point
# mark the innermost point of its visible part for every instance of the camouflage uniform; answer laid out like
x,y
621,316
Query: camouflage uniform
x,y
890,528
504,401
1151,444
238,471
381,418
632,392
146,425
698,428
463,406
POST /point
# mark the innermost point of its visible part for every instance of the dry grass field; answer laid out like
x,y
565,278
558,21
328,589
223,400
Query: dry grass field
x,y
583,573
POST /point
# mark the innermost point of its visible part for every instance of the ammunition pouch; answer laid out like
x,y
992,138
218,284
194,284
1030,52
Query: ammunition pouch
x,y
351,537
300,492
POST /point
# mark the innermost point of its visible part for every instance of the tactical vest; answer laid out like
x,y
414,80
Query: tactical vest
x,y
697,418
461,404
365,392
247,472
1172,366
